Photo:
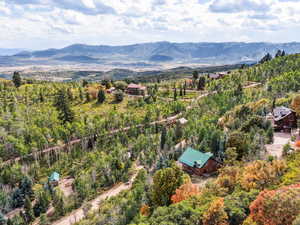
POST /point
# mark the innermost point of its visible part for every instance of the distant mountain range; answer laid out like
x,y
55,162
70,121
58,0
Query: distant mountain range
x,y
150,53
9,51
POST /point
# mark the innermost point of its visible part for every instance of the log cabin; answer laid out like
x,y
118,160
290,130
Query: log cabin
x,y
135,89
54,178
284,119
216,76
198,163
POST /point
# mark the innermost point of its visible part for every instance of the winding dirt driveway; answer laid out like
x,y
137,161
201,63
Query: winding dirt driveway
x,y
79,214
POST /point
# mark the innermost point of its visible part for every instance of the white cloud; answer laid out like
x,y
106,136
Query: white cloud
x,y
233,6
55,23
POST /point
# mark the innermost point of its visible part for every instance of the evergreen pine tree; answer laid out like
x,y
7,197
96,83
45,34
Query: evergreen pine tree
x,y
273,104
84,83
41,96
29,215
201,83
163,138
195,75
278,54
63,106
180,91
87,96
10,222
26,187
156,88
80,94
101,96
17,198
266,58
175,94
17,80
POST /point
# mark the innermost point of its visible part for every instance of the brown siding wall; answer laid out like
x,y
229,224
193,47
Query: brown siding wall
x,y
135,91
286,123
209,167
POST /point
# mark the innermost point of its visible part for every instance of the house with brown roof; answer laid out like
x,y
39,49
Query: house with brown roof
x,y
283,118
136,89
216,76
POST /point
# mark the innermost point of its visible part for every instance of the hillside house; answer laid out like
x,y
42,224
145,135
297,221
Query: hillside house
x,y
198,163
111,90
136,89
283,119
216,76
182,121
54,178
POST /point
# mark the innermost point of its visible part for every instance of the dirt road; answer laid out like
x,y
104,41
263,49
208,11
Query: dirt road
x,y
79,214
77,141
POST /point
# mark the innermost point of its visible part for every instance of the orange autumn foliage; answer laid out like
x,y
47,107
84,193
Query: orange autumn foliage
x,y
145,210
297,144
260,174
185,191
216,214
276,207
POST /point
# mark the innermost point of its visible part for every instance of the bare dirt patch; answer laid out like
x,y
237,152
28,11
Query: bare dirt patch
x,y
201,181
65,185
276,148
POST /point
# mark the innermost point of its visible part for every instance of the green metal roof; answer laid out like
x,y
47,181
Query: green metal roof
x,y
54,177
192,157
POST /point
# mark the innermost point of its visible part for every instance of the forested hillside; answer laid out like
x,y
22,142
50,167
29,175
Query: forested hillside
x,y
118,152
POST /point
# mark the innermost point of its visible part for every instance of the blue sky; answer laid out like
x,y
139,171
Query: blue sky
x,y
41,24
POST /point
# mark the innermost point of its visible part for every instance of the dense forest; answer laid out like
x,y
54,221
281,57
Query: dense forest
x,y
100,140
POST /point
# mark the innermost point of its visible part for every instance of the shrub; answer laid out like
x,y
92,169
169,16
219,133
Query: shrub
x,y
165,182
261,174
276,207
228,178
292,175
297,220
216,214
270,158
120,85
286,149
119,96
145,210
184,192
